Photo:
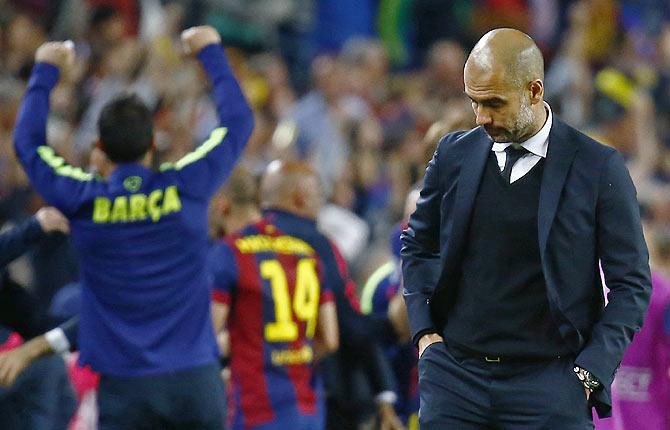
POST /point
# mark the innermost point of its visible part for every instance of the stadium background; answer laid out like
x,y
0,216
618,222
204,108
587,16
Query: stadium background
x,y
360,88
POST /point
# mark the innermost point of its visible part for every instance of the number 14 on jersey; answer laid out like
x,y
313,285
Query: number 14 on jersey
x,y
304,303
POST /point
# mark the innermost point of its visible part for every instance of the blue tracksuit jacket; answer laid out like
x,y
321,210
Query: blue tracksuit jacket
x,y
141,234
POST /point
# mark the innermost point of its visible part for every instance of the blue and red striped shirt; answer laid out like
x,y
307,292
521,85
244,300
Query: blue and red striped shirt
x,y
273,283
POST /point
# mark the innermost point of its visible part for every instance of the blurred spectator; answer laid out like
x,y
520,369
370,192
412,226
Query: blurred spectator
x,y
21,310
22,37
348,231
367,66
128,10
446,60
319,117
569,76
545,21
283,25
42,398
107,27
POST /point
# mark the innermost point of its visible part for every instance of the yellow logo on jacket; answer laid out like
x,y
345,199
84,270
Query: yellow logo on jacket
x,y
137,207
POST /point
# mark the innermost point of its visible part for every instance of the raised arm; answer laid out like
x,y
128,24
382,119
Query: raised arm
x,y
60,184
202,171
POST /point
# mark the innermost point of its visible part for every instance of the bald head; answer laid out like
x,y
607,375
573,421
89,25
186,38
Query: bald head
x,y
292,186
504,78
510,52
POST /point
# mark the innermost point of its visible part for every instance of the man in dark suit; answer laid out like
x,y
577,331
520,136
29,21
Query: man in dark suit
x,y
501,259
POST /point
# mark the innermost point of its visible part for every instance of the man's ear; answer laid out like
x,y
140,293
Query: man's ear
x,y
298,198
225,208
220,206
536,91
98,159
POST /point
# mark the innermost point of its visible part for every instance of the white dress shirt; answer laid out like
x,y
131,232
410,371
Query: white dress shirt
x,y
536,146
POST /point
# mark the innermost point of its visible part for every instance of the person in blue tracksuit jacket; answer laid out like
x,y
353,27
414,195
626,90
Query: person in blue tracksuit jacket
x,y
42,398
141,234
20,311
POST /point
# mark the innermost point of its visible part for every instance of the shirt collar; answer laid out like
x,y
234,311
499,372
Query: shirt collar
x,y
536,144
125,170
274,213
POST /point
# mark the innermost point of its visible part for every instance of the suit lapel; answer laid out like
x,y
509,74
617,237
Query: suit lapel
x,y
470,176
561,152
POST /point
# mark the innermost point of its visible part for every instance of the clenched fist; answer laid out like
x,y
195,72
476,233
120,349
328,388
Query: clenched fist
x,y
51,220
59,54
196,38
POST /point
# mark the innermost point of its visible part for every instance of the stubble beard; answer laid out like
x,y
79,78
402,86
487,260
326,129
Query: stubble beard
x,y
523,124
522,127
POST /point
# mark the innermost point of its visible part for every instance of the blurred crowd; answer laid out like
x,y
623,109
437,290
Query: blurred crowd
x,y
362,89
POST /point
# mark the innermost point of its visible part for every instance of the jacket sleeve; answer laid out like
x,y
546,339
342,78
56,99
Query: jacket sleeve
x,y
625,263
202,171
60,184
20,310
421,251
17,241
223,272
71,330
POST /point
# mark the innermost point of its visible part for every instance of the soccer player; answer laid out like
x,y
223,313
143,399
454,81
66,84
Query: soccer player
x,y
291,197
270,291
145,322
235,205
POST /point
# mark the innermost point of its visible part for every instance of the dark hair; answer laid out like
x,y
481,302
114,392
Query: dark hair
x,y
126,129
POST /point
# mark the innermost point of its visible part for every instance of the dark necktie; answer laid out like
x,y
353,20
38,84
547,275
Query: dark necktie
x,y
513,155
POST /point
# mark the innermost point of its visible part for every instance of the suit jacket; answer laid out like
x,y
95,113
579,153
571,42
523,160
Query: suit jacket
x,y
588,214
